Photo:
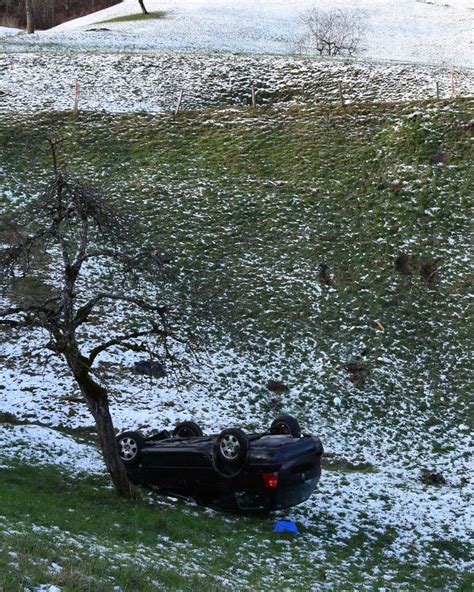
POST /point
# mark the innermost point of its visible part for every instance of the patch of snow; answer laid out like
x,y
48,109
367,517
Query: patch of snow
x,y
40,445
404,30
4,31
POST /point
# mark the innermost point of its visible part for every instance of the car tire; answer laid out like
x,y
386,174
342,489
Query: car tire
x,y
187,429
286,425
130,446
232,446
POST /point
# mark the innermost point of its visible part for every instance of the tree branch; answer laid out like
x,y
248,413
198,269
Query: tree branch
x,y
83,313
82,251
123,341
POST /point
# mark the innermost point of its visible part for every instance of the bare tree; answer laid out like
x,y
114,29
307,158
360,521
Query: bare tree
x,y
30,17
333,33
142,6
78,229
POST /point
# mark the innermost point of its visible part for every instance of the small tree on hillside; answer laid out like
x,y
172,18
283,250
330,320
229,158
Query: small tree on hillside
x,y
73,230
30,18
333,33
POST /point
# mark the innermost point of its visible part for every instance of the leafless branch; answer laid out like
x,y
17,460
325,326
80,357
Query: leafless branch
x,y
334,32
124,341
84,311
67,225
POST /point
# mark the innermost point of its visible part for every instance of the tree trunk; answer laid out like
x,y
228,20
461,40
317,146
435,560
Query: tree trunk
x,y
108,445
97,401
142,6
30,17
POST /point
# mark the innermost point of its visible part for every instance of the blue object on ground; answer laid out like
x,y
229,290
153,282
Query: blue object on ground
x,y
285,526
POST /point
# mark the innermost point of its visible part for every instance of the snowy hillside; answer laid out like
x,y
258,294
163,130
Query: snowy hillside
x,y
434,32
121,83
271,194
319,246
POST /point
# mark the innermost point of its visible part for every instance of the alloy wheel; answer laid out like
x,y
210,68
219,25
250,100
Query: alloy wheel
x,y
128,449
230,447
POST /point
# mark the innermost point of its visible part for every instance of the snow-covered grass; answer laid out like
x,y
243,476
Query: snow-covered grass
x,y
250,204
407,30
40,445
321,239
57,529
152,83
4,31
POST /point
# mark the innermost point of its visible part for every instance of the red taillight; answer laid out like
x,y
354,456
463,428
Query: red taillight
x,y
270,480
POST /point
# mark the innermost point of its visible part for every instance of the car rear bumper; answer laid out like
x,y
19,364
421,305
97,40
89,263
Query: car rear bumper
x,y
269,500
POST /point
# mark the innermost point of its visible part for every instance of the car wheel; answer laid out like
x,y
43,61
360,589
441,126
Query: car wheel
x,y
286,424
187,429
130,445
232,446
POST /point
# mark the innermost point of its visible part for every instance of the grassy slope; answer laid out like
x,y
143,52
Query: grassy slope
x,y
259,201
255,202
100,542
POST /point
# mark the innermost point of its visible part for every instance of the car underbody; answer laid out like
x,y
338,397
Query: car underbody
x,y
232,471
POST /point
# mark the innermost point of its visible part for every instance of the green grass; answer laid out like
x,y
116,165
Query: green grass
x,y
135,17
101,541
85,507
249,204
268,174
335,463
9,418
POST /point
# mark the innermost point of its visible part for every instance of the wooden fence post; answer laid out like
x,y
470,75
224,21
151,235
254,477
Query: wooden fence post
x,y
180,98
254,98
341,96
437,91
76,96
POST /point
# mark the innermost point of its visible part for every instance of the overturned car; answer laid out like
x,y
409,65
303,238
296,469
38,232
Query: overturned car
x,y
232,470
